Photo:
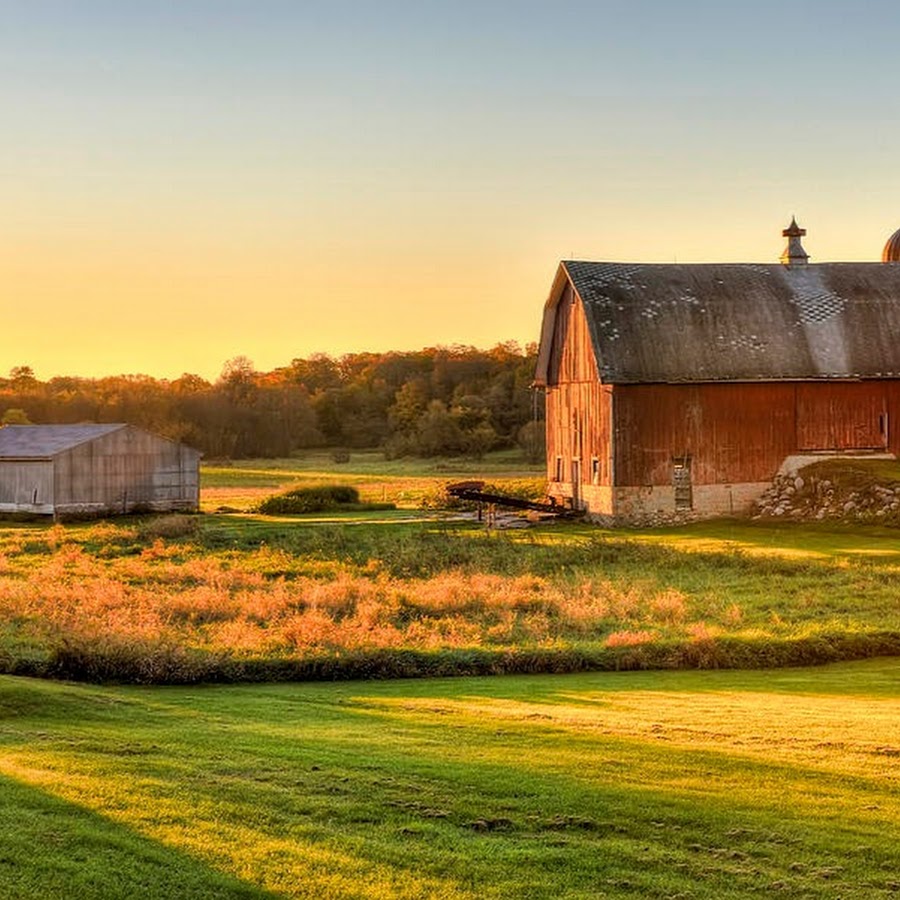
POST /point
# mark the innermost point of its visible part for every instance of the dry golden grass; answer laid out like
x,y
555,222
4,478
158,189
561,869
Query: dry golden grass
x,y
220,604
241,598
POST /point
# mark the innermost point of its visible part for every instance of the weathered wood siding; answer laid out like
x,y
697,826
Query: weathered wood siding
x,y
26,486
578,427
892,404
578,406
572,353
124,470
737,433
842,416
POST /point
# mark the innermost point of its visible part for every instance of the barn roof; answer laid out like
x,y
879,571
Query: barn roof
x,y
44,441
734,322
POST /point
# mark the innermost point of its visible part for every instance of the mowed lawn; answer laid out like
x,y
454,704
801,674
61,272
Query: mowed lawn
x,y
686,784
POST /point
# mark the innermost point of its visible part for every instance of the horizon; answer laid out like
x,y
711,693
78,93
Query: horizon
x,y
258,370
219,179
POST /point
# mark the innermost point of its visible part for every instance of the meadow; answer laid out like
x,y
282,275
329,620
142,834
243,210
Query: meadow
x,y
250,598
125,771
633,784
409,483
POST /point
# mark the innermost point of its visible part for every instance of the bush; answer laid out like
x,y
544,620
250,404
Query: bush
x,y
311,499
176,525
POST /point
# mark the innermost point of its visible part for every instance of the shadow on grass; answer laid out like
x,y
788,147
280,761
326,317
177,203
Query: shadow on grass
x,y
55,849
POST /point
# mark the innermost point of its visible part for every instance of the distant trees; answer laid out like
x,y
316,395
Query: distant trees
x,y
13,416
439,400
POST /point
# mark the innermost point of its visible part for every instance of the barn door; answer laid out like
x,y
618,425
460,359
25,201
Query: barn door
x,y
841,416
576,484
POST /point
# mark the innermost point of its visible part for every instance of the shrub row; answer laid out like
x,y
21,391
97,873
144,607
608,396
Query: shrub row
x,y
113,660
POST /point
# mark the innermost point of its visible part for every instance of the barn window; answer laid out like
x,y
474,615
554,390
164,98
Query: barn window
x,y
558,474
681,482
595,470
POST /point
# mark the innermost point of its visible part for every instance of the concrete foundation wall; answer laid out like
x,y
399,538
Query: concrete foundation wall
x,y
594,499
649,503
655,504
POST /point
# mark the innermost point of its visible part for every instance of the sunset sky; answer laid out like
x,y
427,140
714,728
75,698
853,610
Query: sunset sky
x,y
184,181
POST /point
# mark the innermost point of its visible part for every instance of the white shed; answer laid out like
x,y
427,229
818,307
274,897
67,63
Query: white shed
x,y
74,470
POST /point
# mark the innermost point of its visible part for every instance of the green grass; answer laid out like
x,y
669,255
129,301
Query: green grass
x,y
701,785
243,484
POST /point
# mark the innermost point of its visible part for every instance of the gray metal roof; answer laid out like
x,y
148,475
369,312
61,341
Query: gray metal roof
x,y
44,441
716,322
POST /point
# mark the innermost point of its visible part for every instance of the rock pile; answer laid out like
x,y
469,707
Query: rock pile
x,y
809,496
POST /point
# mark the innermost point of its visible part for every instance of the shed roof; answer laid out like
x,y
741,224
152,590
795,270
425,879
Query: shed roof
x,y
733,322
45,441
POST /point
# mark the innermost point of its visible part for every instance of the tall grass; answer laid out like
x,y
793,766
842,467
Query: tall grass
x,y
169,600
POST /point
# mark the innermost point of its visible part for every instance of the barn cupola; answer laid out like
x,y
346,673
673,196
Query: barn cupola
x,y
794,254
891,252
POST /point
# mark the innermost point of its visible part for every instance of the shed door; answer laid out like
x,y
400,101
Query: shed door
x,y
841,417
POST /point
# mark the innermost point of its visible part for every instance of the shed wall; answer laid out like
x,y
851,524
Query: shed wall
x,y
892,404
730,432
125,470
26,486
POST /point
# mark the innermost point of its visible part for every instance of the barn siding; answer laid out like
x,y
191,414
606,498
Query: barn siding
x,y
578,411
742,432
892,405
730,432
842,416
572,351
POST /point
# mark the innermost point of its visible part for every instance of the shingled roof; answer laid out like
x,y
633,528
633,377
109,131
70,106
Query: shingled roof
x,y
718,322
45,441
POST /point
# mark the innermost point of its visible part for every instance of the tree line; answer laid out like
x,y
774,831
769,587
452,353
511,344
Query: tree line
x,y
436,401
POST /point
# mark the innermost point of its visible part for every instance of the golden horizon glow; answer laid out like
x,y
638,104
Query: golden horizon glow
x,y
279,185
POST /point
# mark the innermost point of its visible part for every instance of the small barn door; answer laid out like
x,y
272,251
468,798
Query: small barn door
x,y
576,484
681,482
841,416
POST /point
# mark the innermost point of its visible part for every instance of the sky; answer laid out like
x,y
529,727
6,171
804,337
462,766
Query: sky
x,y
185,181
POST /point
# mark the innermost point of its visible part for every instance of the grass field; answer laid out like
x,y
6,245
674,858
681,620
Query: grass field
x,y
255,597
663,785
242,484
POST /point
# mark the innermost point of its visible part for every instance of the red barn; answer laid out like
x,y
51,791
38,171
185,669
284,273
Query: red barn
x,y
683,389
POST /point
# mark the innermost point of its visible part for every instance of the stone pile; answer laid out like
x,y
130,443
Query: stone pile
x,y
812,497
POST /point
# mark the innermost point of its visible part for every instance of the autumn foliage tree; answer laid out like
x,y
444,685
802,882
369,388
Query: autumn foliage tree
x,y
440,400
